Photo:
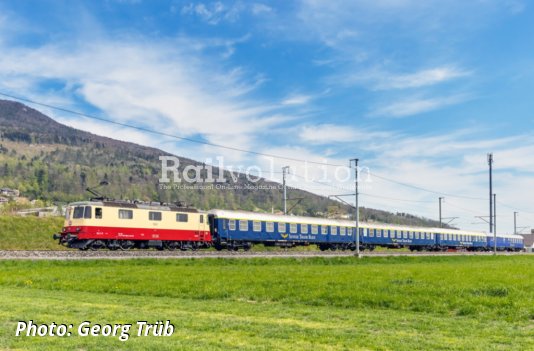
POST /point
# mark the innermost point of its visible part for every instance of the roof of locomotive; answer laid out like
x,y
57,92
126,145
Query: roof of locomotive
x,y
137,205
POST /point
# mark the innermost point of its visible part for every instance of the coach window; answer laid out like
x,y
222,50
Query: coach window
x,y
231,224
182,217
243,225
269,227
256,226
314,229
324,229
154,216
378,233
282,228
304,228
125,214
386,233
98,212
333,230
293,227
410,234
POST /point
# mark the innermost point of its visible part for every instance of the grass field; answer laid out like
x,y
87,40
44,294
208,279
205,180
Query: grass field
x,y
29,233
396,303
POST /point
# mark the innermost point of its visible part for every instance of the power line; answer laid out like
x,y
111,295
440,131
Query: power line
x,y
424,189
152,131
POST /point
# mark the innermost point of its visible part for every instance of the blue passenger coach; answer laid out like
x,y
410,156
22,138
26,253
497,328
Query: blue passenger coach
x,y
240,229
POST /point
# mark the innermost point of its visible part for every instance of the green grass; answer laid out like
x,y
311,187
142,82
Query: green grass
x,y
29,233
396,303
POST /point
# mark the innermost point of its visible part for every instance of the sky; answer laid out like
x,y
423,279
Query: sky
x,y
419,91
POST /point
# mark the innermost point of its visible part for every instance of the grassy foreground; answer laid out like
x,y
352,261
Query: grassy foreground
x,y
29,233
396,303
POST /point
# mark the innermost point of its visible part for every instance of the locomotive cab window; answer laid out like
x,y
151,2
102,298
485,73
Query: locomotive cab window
x,y
154,216
98,212
78,212
125,214
182,217
87,212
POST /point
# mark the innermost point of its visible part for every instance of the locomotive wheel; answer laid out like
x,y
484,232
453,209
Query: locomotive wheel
x,y
125,245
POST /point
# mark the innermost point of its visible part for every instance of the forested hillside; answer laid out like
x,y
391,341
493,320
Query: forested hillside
x,y
47,160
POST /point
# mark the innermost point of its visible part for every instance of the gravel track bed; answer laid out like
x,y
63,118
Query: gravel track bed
x,y
81,255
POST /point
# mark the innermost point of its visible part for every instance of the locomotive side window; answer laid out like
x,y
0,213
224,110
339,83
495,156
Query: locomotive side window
x,y
78,212
243,225
201,218
98,212
182,217
125,214
231,224
269,227
154,216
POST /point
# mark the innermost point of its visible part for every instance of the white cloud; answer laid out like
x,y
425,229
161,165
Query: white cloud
x,y
150,84
214,12
418,79
297,100
332,134
258,9
416,106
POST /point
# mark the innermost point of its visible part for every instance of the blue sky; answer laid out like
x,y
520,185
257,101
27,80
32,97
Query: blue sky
x,y
420,91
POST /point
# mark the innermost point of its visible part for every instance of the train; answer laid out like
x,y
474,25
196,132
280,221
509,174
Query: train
x,y
123,225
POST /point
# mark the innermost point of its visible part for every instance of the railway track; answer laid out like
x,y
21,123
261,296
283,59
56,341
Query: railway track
x,y
114,255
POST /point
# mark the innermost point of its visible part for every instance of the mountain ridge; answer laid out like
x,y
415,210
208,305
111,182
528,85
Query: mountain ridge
x,y
48,160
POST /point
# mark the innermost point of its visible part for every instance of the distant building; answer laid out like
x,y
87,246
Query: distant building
x,y
9,192
3,200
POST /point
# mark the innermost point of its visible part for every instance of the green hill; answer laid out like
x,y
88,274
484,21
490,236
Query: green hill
x,y
50,161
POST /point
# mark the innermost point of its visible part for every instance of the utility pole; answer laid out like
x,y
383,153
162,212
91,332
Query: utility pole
x,y
284,171
356,206
515,222
495,222
490,163
440,225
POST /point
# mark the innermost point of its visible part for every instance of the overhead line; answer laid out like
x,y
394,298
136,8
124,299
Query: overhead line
x,y
152,131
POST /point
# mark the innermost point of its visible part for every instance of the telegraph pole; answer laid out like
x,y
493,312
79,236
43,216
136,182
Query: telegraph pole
x,y
440,225
490,163
356,206
284,171
515,222
495,222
